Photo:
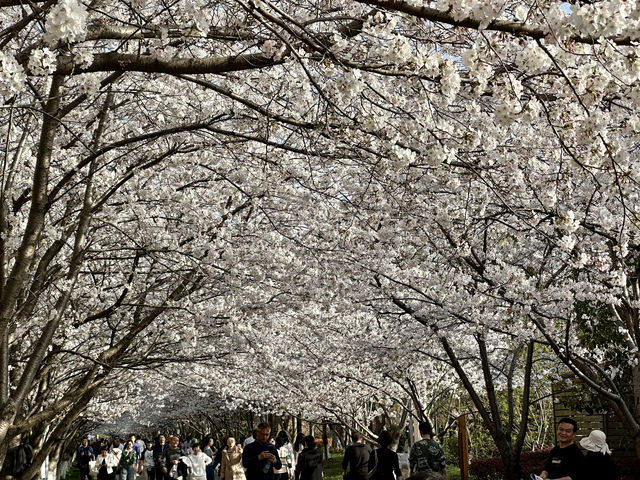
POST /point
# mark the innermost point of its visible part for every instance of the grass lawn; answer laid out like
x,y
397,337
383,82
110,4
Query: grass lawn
x,y
453,473
73,473
332,468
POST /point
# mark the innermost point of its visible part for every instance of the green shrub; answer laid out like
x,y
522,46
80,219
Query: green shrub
x,y
493,469
451,450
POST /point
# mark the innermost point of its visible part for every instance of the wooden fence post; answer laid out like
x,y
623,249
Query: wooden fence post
x,y
463,447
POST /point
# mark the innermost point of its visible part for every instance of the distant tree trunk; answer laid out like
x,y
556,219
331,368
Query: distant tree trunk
x,y
631,426
335,438
325,439
251,424
55,465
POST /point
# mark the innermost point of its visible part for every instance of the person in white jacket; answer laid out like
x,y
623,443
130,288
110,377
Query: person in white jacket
x,y
148,463
196,463
106,464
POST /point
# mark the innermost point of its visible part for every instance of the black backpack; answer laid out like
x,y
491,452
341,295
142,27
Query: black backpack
x,y
373,464
21,457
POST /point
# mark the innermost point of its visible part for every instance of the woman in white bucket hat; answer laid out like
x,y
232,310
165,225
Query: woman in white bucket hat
x,y
598,462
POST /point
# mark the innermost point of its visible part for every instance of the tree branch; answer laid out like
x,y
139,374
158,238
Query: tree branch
x,y
515,28
125,62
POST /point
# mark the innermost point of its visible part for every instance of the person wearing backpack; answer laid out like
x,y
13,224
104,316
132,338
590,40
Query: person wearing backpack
x,y
355,463
387,466
84,455
309,464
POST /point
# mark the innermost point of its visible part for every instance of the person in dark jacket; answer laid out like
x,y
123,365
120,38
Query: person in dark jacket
x,y
387,463
298,446
598,460
173,468
218,458
261,458
356,458
211,451
159,459
309,466
84,454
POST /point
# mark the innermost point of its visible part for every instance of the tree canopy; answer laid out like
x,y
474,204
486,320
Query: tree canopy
x,y
269,202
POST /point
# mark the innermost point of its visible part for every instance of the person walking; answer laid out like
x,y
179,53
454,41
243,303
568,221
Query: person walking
x,y
135,444
116,451
210,450
387,465
106,464
298,446
285,452
159,457
172,467
309,465
196,463
128,462
231,461
217,461
148,464
426,455
260,458
355,463
84,455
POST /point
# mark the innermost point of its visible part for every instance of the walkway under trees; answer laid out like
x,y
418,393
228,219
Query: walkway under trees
x,y
345,210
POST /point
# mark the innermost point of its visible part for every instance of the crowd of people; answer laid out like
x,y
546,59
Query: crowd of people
x,y
262,456
426,458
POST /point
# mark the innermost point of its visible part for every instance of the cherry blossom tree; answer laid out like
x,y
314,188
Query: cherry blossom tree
x,y
181,179
494,178
550,230
506,196
91,255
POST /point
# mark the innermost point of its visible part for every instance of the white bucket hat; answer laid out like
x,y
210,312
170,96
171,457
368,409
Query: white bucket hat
x,y
596,442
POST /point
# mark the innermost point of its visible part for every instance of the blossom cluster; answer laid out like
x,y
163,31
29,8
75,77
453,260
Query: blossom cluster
x,y
66,22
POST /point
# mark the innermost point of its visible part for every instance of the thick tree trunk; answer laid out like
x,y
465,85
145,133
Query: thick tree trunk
x,y
325,440
6,420
512,468
635,376
57,467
